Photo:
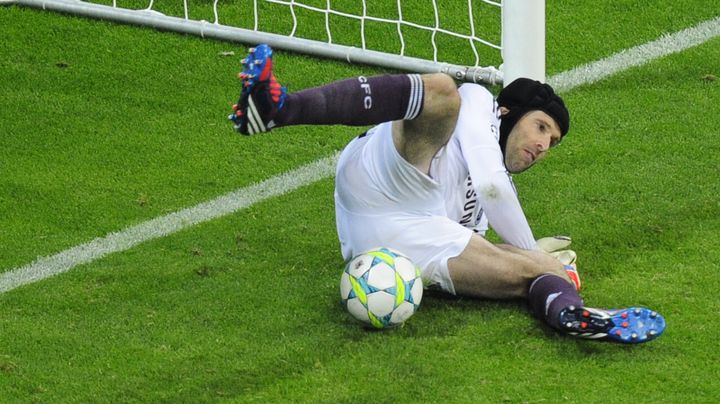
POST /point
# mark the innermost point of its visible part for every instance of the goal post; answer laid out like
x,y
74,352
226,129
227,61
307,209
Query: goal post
x,y
523,39
521,48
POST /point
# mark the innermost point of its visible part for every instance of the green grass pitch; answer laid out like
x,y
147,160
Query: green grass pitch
x,y
104,126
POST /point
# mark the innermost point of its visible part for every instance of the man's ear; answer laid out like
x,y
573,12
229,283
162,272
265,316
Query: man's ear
x,y
503,111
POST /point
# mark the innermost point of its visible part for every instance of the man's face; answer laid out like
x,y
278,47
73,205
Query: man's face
x,y
529,140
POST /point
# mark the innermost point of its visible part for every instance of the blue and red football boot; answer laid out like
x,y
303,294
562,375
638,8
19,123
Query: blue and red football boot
x,y
261,96
628,326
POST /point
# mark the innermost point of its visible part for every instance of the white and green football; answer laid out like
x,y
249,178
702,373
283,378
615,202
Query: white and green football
x,y
382,287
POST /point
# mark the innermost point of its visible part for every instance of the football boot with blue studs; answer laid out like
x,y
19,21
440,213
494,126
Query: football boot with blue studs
x,y
628,326
261,96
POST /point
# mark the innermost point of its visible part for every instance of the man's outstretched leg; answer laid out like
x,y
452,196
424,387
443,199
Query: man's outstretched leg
x,y
505,272
264,104
557,302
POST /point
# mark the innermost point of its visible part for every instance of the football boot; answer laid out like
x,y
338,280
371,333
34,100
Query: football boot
x,y
628,326
261,96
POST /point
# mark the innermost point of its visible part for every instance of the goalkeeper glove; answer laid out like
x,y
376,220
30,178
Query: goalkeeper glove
x,y
557,247
555,243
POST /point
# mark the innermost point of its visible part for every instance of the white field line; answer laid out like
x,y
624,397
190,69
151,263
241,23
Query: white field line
x,y
64,261
168,224
637,56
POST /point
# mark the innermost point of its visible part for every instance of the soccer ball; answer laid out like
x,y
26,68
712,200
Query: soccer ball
x,y
381,287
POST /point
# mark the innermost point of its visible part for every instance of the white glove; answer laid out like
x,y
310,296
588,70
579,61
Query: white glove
x,y
555,243
556,246
567,257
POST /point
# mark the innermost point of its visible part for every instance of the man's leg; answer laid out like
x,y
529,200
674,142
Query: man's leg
x,y
265,104
499,272
419,140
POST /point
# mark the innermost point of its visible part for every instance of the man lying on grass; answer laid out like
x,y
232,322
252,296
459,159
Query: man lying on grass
x,y
433,174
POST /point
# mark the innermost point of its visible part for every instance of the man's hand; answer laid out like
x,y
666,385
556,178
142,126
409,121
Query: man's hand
x,y
557,247
555,243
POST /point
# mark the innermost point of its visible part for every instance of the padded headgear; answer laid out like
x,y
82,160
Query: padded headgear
x,y
524,95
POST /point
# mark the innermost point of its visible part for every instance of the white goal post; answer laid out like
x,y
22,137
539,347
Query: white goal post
x,y
521,48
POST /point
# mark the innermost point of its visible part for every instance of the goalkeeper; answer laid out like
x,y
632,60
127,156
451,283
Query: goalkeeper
x,y
434,173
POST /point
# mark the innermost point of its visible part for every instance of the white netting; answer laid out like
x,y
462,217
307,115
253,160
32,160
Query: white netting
x,y
419,35
469,35
423,25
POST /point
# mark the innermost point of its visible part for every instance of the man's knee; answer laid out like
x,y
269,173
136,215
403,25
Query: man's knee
x,y
442,99
419,139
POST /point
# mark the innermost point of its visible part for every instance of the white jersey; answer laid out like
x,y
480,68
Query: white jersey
x,y
478,188
381,200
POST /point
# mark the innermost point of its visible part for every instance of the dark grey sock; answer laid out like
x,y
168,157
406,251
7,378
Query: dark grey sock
x,y
549,295
355,102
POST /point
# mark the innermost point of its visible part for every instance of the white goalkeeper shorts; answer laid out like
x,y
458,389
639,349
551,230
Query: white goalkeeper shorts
x,y
381,200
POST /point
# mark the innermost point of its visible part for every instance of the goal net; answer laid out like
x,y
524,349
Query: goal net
x,y
463,38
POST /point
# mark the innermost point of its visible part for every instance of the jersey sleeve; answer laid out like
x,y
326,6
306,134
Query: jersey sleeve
x,y
477,132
